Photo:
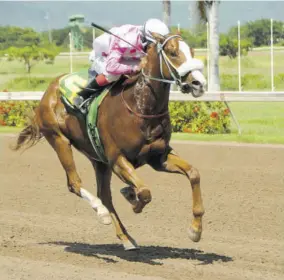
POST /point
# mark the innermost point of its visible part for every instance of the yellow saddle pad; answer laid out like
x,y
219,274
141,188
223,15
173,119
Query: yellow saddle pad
x,y
71,84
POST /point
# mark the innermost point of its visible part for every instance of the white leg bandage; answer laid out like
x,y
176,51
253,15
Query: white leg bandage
x,y
95,202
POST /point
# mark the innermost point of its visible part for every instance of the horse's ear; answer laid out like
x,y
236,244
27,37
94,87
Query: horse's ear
x,y
159,38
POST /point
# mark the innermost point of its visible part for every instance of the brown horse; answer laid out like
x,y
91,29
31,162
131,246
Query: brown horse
x,y
134,126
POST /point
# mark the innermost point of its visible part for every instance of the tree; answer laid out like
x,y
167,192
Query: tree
x,y
167,12
31,55
18,37
59,36
209,11
194,40
229,46
258,32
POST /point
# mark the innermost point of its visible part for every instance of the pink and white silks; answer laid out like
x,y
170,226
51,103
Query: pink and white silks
x,y
113,57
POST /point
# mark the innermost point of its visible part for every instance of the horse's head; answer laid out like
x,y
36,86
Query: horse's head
x,y
172,60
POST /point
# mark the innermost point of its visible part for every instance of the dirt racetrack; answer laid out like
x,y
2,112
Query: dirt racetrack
x,y
48,233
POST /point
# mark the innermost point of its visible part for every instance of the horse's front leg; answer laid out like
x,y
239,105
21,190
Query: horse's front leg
x,y
126,172
174,164
103,176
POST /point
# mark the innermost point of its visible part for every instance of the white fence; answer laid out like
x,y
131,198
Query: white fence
x,y
224,96
200,50
175,96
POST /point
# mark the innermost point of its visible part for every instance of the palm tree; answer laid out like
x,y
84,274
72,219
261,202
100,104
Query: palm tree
x,y
209,11
167,12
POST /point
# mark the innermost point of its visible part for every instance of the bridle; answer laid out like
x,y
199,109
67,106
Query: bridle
x,y
172,69
173,72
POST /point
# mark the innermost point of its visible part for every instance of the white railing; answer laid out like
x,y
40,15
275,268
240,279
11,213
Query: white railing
x,y
235,96
175,96
201,50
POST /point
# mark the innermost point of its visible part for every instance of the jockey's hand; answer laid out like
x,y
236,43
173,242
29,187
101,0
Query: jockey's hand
x,y
136,69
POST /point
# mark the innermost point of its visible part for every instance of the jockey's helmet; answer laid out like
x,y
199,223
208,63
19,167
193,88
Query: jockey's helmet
x,y
155,26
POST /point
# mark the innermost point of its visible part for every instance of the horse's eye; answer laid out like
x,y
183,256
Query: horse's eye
x,y
173,54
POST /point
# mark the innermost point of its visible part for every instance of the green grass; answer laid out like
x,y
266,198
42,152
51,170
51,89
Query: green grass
x,y
60,66
9,129
256,62
28,83
10,70
261,139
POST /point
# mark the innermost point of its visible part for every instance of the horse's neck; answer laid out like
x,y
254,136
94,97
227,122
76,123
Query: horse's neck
x,y
151,97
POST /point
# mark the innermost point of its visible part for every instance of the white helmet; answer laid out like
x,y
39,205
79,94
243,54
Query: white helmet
x,y
156,26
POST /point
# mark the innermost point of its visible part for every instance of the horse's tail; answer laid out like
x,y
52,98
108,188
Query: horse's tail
x,y
29,136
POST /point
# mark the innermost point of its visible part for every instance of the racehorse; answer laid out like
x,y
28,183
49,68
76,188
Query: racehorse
x,y
134,127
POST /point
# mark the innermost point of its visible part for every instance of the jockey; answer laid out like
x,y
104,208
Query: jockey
x,y
112,57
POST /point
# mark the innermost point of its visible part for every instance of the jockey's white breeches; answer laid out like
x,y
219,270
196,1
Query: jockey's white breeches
x,y
99,65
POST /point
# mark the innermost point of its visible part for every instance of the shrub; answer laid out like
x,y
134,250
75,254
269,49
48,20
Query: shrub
x,y
193,117
200,117
14,113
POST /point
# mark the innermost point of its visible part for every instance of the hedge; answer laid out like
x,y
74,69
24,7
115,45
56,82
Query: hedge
x,y
200,117
191,117
14,113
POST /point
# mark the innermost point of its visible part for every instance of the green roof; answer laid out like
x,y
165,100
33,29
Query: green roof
x,y
76,17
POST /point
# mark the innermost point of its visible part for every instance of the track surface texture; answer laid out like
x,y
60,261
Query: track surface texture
x,y
48,233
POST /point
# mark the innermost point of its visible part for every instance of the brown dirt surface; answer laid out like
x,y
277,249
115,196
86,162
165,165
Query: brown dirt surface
x,y
48,233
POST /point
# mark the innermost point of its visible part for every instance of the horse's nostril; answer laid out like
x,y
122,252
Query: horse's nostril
x,y
196,83
185,88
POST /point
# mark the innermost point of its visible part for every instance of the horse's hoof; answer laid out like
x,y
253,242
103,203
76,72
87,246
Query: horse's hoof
x,y
138,207
130,246
144,195
194,235
103,215
129,194
105,219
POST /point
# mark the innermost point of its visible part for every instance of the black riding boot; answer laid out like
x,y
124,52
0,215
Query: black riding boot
x,y
86,92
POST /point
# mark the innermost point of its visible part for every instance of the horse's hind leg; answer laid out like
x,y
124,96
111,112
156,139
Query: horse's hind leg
x,y
64,152
103,176
174,164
